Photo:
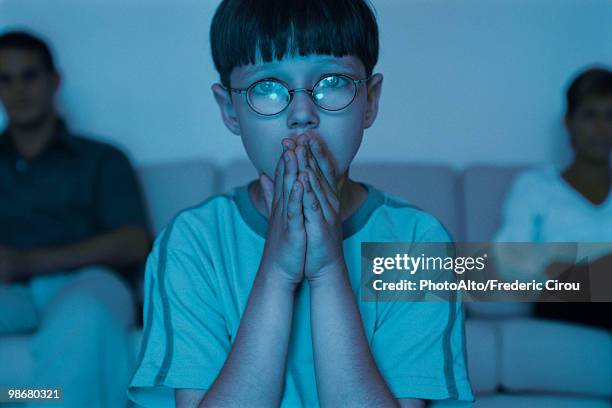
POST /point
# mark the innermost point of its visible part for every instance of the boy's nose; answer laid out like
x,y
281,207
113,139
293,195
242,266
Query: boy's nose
x,y
302,112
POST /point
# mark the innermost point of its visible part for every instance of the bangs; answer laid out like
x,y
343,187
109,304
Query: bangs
x,y
244,30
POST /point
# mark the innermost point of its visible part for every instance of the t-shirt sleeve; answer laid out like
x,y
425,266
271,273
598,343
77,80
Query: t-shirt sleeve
x,y
420,346
119,200
521,215
185,339
521,221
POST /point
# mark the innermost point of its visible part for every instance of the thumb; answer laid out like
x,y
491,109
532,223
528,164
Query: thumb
x,y
267,186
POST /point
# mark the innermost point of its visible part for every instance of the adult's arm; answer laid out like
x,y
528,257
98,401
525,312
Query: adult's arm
x,y
117,248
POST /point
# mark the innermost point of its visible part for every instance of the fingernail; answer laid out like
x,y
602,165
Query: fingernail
x,y
295,186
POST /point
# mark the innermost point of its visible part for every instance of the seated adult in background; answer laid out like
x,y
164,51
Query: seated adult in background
x,y
574,204
71,216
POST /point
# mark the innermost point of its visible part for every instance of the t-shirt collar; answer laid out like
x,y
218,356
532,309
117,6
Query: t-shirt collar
x,y
61,139
350,226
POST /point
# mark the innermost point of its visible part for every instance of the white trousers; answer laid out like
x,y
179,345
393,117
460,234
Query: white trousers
x,y
80,338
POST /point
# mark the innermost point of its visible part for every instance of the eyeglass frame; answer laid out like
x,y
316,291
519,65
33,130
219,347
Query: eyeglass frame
x,y
246,90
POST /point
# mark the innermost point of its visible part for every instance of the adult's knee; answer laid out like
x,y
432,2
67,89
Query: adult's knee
x,y
96,292
77,312
17,309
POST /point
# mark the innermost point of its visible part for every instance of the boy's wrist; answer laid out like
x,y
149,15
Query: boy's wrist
x,y
331,275
275,279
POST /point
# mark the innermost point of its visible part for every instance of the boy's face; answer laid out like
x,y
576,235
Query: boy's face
x,y
341,131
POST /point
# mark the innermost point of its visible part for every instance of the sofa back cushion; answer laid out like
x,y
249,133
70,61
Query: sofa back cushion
x,y
171,187
484,191
430,187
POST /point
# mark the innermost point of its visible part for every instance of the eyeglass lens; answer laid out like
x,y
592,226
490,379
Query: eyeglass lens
x,y
334,92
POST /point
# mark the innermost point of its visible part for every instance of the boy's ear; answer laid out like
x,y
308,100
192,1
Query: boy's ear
x,y
374,90
228,113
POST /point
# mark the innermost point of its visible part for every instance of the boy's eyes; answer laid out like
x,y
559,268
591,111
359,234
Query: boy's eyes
x,y
266,87
273,86
333,81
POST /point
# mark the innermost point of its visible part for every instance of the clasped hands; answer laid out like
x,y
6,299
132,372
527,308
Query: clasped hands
x,y
304,238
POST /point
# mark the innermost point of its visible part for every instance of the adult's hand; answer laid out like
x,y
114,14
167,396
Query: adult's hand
x,y
13,265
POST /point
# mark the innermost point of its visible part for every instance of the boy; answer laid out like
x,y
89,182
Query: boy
x,y
251,297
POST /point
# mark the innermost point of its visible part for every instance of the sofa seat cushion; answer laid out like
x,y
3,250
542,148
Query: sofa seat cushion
x,y
482,346
16,360
539,401
548,356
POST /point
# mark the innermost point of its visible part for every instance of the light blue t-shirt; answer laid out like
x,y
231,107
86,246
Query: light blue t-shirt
x,y
197,283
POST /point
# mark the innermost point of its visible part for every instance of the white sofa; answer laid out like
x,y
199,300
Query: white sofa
x,y
514,360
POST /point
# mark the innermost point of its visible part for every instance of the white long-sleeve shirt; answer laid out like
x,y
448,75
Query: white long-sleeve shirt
x,y
542,207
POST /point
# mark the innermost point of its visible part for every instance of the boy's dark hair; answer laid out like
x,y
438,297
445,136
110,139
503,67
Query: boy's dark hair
x,y
589,83
26,41
276,28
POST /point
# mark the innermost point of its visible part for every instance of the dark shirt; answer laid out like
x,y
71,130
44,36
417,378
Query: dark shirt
x,y
75,189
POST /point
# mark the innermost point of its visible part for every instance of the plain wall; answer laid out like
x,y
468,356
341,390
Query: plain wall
x,y
465,81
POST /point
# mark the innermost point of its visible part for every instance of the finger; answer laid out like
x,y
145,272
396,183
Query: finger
x,y
295,218
323,159
300,152
312,207
290,174
330,193
289,144
302,140
278,181
315,185
267,186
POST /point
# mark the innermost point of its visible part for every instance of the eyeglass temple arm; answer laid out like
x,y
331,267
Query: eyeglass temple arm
x,y
238,91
